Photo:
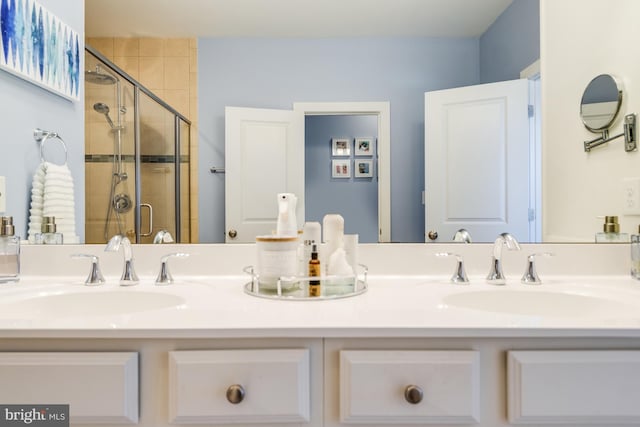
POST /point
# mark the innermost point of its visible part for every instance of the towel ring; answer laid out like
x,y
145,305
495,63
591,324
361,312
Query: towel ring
x,y
42,136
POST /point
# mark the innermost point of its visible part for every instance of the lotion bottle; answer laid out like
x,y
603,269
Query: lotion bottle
x,y
9,251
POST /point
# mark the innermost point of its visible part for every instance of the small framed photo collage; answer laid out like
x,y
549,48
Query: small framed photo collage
x,y
362,149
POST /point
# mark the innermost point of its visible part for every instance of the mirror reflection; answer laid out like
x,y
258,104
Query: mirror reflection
x,y
198,74
294,70
136,156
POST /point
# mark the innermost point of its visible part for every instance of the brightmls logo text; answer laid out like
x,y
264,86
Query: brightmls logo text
x,y
34,415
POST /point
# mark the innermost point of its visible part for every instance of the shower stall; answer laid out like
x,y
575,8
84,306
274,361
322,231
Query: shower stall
x,y
137,162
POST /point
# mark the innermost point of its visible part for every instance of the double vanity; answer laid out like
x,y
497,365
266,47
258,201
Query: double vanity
x,y
413,349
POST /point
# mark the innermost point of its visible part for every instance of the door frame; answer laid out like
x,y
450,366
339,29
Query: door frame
x,y
532,73
383,111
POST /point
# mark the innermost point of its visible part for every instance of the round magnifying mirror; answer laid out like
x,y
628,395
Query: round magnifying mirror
x,y
600,103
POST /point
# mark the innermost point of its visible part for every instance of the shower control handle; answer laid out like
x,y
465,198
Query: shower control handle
x,y
147,205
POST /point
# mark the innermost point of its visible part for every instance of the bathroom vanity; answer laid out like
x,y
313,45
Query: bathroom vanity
x,y
413,349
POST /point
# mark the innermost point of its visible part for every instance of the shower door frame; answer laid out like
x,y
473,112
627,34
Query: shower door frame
x,y
178,117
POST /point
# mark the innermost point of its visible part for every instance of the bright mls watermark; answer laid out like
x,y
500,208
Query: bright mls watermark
x,y
34,415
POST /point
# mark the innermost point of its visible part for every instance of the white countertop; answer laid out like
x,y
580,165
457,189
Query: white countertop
x,y
603,303
393,306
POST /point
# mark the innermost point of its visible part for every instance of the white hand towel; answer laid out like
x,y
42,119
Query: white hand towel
x,y
52,195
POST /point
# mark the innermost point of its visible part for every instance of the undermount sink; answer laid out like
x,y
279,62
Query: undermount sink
x,y
80,304
541,303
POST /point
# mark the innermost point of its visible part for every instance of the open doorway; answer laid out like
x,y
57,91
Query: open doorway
x,y
343,179
382,168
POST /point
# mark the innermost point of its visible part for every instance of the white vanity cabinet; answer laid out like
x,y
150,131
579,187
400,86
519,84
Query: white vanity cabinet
x,y
240,386
99,387
574,387
486,382
409,387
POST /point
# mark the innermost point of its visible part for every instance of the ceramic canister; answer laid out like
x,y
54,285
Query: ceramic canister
x,y
277,257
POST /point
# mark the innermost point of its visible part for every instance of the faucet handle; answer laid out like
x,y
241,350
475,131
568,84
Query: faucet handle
x,y
459,275
95,276
164,277
530,276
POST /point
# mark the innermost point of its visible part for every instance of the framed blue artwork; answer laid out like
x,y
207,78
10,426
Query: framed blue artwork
x,y
40,48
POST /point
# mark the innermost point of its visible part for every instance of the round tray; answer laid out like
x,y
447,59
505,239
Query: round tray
x,y
297,288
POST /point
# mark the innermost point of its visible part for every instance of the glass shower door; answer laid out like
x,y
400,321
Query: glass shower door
x,y
137,157
157,168
109,153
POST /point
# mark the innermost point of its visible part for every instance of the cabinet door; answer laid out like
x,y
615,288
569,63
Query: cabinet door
x,y
239,386
574,387
409,387
100,387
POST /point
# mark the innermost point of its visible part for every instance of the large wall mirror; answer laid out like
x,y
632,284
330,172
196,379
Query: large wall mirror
x,y
383,67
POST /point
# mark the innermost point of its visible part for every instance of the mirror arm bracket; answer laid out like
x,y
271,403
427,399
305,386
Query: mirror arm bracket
x,y
630,143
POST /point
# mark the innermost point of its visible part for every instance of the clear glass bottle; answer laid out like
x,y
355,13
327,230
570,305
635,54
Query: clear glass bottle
x,y
635,255
9,251
48,235
611,232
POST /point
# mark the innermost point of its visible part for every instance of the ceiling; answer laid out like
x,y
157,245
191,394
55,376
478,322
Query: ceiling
x,y
290,18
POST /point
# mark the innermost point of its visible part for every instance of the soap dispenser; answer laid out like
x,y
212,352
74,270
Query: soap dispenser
x,y
611,232
635,255
9,251
48,235
287,225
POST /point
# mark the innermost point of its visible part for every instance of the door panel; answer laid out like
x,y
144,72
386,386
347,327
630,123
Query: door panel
x,y
264,156
477,161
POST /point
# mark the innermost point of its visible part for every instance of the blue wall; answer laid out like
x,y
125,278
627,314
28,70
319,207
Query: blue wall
x,y
24,107
356,199
512,43
275,73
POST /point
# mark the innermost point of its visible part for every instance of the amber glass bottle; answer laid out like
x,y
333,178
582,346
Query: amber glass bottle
x,y
314,271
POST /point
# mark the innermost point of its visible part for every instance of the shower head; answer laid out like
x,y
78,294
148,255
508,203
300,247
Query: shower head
x,y
99,77
103,108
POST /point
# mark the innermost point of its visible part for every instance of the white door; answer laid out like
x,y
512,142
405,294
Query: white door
x,y
477,161
264,156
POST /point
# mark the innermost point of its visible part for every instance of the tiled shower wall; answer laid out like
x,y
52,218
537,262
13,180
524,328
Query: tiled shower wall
x,y
169,68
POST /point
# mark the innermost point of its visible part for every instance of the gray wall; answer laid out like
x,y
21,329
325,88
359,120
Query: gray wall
x,y
512,43
275,73
23,107
356,199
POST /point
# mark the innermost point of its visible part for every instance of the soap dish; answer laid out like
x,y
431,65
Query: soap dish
x,y
296,288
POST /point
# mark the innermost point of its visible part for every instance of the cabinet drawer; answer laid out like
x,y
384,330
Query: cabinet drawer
x,y
574,387
100,388
374,385
269,386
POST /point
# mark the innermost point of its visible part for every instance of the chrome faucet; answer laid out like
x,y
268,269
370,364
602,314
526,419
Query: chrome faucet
x,y
496,276
129,276
163,236
462,235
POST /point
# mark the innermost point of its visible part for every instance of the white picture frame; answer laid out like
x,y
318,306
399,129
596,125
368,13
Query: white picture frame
x,y
340,168
365,146
341,147
363,168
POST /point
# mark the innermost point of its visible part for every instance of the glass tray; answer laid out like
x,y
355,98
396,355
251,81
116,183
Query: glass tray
x,y
297,288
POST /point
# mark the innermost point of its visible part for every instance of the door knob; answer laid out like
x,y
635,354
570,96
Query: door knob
x,y
235,394
432,235
413,394
233,233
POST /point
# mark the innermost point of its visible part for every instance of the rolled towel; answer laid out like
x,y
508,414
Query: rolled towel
x,y
52,194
